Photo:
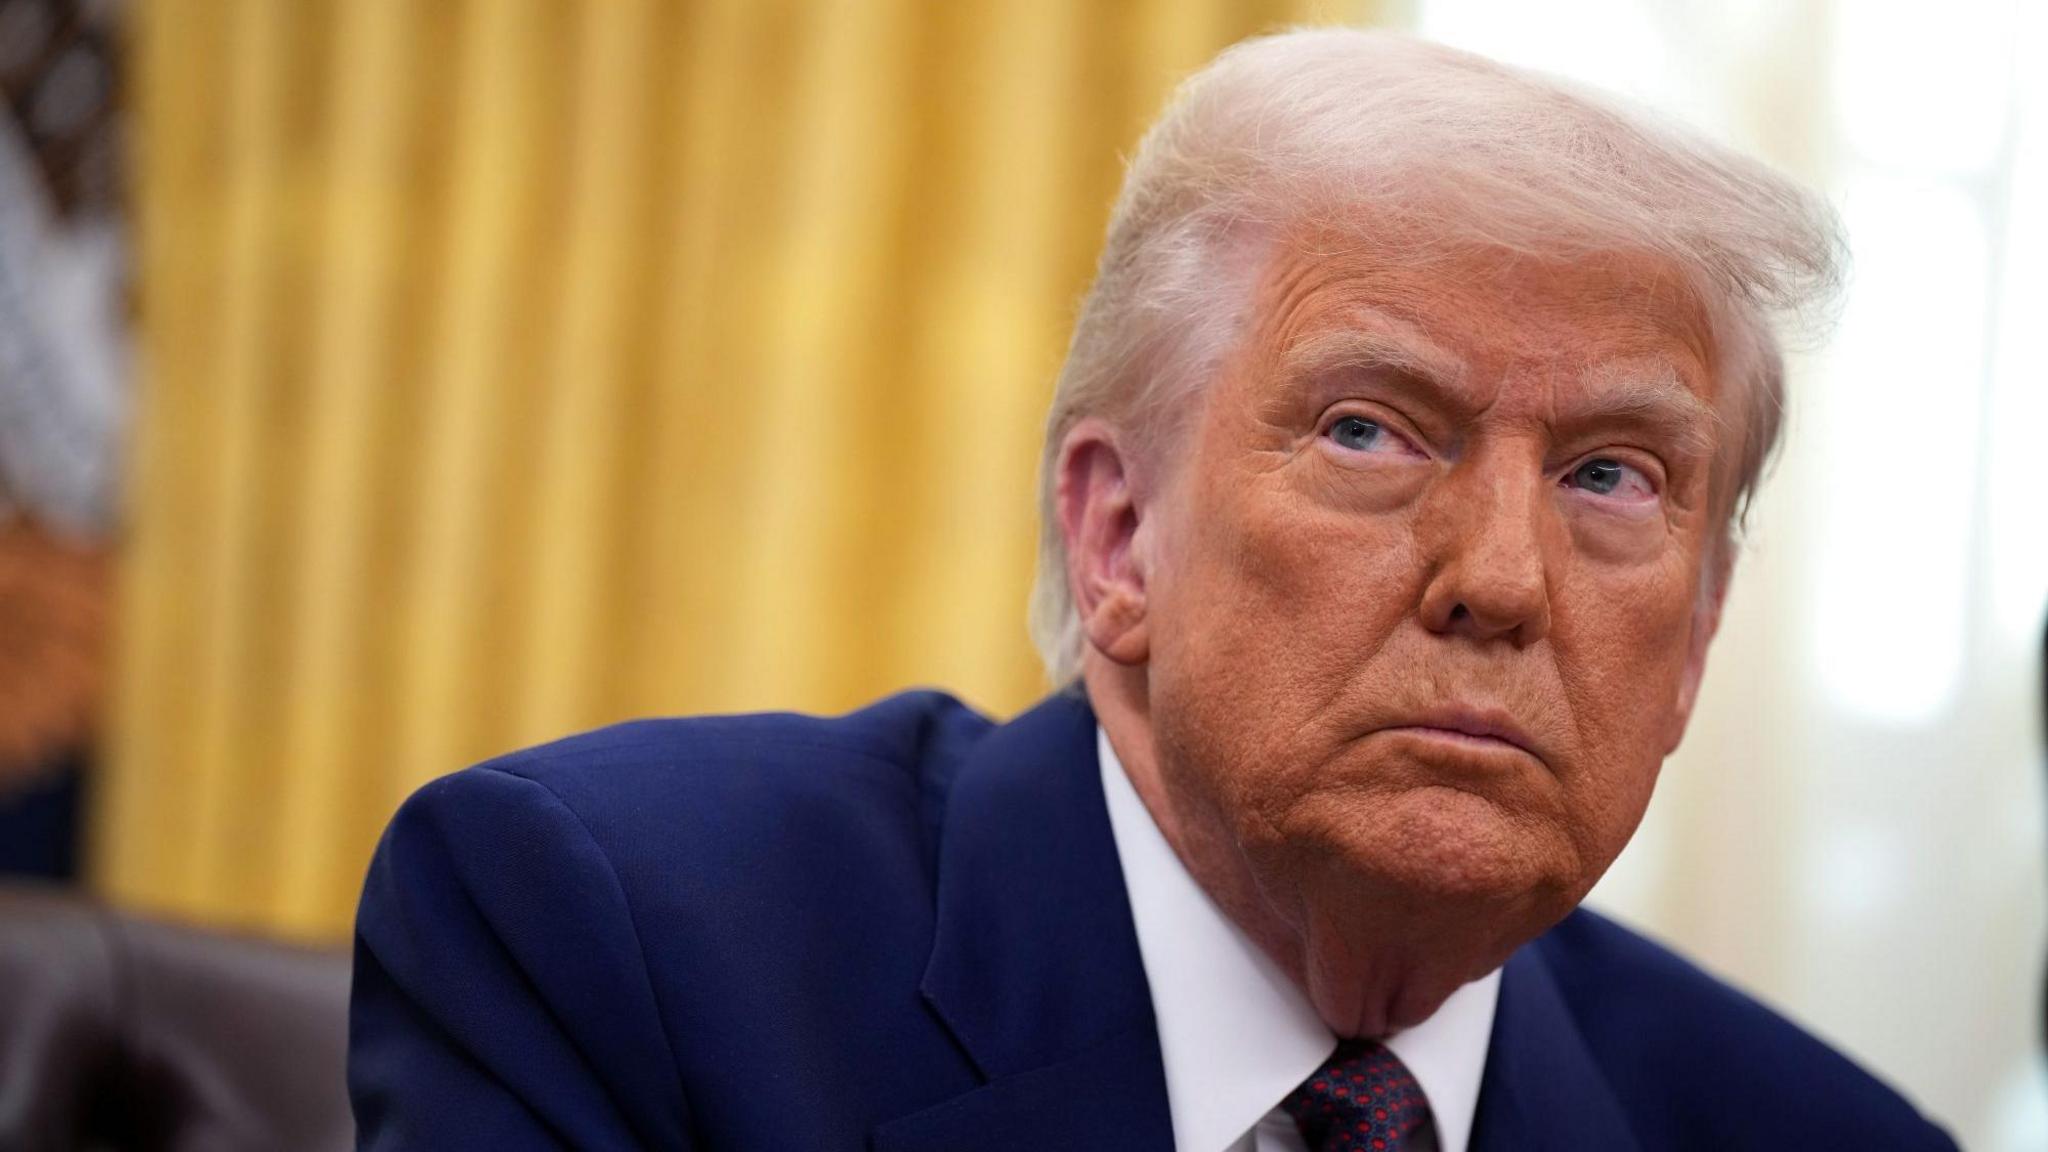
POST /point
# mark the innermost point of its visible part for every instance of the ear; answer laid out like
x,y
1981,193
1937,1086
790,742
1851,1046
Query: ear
x,y
1706,620
1100,520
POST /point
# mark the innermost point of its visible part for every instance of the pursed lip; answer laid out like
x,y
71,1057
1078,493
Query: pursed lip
x,y
1479,725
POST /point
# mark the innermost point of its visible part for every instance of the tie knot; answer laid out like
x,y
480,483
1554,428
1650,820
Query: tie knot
x,y
1363,1099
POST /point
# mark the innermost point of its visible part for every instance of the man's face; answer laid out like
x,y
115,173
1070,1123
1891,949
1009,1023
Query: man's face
x,y
1424,596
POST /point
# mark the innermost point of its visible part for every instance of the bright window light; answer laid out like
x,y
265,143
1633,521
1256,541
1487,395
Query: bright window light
x,y
1925,89
1899,437
2018,475
1852,874
1611,43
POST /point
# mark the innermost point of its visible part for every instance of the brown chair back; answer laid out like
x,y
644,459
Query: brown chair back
x,y
119,1034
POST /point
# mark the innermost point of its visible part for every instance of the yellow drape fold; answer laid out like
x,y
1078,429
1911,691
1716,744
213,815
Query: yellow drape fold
x,y
512,367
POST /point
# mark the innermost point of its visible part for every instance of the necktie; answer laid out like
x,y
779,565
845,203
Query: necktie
x,y
1363,1099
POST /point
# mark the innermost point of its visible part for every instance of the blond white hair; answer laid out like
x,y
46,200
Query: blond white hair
x,y
1423,147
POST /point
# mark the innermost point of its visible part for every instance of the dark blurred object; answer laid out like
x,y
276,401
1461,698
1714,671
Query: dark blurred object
x,y
39,824
57,73
122,1035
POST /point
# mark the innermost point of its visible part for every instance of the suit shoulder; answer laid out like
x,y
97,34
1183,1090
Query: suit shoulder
x,y
1692,1051
894,730
766,801
887,744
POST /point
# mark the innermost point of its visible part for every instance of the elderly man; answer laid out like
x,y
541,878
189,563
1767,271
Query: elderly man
x,y
1389,497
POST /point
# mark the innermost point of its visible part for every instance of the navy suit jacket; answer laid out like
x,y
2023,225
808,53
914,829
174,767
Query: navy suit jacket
x,y
906,930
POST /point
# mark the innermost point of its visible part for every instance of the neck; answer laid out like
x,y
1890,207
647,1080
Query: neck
x,y
1122,706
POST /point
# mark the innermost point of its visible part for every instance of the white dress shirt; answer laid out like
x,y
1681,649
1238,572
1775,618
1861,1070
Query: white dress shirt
x,y
1236,1034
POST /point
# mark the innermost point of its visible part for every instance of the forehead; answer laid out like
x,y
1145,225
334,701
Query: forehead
x,y
1481,315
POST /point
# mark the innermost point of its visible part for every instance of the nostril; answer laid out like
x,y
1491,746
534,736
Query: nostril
x,y
1460,612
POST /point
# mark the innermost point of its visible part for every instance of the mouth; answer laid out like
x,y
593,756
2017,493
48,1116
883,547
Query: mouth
x,y
1471,729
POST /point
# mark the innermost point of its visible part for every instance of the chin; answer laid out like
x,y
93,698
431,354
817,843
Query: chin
x,y
1445,842
1424,888
1432,890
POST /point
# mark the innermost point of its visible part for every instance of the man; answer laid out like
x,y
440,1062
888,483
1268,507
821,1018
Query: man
x,y
1389,493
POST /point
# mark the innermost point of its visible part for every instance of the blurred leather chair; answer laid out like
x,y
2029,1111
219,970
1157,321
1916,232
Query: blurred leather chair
x,y
122,1035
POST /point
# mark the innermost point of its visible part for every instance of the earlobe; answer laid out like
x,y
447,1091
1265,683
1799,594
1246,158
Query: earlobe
x,y
1100,520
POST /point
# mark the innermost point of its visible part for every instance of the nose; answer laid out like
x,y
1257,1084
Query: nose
x,y
1485,536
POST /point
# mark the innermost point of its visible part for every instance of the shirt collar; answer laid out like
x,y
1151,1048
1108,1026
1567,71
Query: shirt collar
x,y
1235,1033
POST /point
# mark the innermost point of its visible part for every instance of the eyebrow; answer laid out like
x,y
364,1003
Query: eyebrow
x,y
1354,349
1648,394
1651,396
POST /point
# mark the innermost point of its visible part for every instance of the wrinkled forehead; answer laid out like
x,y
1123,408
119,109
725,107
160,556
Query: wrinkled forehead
x,y
1461,306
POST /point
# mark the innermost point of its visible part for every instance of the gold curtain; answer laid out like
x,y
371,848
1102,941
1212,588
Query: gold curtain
x,y
514,367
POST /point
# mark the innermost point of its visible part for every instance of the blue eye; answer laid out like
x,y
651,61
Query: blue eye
x,y
1606,476
1355,432
1600,476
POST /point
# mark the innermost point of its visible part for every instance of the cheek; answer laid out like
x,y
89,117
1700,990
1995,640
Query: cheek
x,y
1268,608
1289,595
1621,626
1628,538
1621,639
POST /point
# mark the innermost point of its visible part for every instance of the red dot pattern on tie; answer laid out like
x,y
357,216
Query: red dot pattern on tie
x,y
1363,1099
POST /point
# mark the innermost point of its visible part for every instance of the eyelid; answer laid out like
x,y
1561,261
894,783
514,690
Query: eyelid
x,y
1613,500
1389,420
1646,463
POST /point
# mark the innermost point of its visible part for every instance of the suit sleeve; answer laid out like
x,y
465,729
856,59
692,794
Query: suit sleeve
x,y
501,997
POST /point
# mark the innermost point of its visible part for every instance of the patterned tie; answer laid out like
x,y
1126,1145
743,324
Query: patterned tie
x,y
1363,1099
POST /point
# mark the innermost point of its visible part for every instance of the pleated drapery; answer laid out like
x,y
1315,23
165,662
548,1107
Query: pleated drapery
x,y
511,367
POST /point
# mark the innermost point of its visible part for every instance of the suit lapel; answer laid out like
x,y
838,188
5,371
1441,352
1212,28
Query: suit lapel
x,y
1035,965
1542,1089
